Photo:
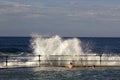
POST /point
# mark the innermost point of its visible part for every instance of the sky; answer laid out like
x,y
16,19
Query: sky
x,y
67,18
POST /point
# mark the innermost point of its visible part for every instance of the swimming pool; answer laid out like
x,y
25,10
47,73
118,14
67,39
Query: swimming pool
x,y
59,73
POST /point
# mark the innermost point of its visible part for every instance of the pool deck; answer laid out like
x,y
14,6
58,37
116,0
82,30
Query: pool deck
x,y
90,66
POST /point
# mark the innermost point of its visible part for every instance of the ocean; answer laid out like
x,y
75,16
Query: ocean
x,y
55,73
98,45
14,45
63,50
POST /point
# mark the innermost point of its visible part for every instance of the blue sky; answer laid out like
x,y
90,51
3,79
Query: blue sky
x,y
69,18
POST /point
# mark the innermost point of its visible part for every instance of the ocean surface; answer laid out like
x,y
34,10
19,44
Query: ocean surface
x,y
14,45
17,45
55,73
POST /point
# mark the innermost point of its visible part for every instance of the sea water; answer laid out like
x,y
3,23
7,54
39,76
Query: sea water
x,y
47,46
99,45
59,73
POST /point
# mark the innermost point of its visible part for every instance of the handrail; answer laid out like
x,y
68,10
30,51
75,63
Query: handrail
x,y
82,59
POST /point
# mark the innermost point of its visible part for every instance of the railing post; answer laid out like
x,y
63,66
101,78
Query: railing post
x,y
39,60
6,60
100,59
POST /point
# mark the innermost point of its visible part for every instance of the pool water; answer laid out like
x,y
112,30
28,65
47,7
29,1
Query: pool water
x,y
60,73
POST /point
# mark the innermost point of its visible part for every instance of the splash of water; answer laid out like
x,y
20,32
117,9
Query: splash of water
x,y
56,46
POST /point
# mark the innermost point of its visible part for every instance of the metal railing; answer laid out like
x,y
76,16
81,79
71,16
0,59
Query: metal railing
x,y
59,60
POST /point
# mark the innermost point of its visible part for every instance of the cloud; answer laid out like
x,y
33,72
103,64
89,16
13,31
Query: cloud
x,y
71,10
78,10
68,18
12,7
